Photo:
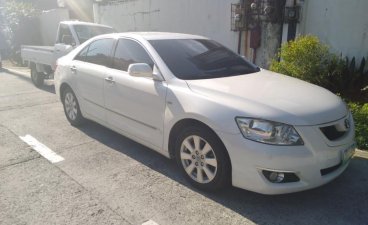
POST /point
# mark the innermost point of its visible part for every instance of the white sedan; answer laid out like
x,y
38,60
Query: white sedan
x,y
223,119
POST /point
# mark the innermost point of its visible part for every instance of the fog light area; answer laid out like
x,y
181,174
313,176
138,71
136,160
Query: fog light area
x,y
280,177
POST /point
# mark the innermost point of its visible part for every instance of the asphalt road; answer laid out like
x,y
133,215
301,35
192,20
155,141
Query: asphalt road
x,y
106,178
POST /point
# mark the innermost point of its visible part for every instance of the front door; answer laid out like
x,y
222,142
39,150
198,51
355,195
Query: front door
x,y
134,105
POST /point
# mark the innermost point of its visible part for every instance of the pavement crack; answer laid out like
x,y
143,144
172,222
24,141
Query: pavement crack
x,y
20,93
77,145
92,194
26,106
20,162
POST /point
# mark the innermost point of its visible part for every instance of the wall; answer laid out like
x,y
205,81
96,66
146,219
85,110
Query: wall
x,y
49,22
209,18
341,24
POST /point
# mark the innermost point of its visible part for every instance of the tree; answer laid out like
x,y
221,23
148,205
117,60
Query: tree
x,y
17,22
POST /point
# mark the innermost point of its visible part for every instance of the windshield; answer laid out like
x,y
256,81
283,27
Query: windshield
x,y
190,59
85,32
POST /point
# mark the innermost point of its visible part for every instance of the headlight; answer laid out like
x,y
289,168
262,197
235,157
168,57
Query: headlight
x,y
268,132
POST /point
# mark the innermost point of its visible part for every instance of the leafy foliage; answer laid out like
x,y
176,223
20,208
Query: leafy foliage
x,y
14,15
308,59
351,81
305,58
360,114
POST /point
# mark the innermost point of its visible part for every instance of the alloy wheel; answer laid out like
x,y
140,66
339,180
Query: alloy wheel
x,y
70,106
198,159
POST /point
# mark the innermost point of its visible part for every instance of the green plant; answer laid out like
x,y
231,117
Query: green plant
x,y
305,58
15,22
308,59
352,80
360,115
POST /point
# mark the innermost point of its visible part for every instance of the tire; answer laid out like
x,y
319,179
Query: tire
x,y
71,108
199,151
37,77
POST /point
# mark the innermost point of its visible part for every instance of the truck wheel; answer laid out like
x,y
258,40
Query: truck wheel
x,y
37,77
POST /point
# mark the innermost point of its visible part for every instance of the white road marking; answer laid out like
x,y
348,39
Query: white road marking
x,y
150,222
42,149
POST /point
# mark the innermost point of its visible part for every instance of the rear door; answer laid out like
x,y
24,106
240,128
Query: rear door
x,y
134,105
90,67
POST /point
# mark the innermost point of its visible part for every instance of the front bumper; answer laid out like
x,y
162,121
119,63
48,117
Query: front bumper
x,y
249,158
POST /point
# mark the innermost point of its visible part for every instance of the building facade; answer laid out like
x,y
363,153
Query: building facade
x,y
254,28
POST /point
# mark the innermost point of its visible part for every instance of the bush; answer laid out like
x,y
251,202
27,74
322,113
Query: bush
x,y
351,81
308,59
360,114
305,58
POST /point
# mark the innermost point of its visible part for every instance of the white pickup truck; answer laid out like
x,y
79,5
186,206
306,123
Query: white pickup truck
x,y
42,59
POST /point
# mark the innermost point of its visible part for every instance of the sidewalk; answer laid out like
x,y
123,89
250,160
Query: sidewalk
x,y
8,66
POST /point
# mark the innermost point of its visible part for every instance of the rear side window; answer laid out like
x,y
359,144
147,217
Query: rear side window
x,y
99,52
63,32
128,52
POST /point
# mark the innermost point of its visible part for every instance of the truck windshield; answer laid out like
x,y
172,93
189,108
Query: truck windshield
x,y
85,32
190,59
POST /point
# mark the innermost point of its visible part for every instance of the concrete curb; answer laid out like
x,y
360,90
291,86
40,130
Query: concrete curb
x,y
361,153
15,71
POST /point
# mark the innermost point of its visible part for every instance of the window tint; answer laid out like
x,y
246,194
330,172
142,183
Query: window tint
x,y
201,59
63,32
82,54
128,52
99,52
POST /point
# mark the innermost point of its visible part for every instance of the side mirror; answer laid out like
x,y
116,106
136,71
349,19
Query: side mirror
x,y
68,39
140,70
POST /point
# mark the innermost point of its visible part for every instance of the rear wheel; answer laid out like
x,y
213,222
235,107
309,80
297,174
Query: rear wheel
x,y
71,108
37,77
203,158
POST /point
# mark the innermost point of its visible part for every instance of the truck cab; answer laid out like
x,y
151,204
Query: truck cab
x,y
70,34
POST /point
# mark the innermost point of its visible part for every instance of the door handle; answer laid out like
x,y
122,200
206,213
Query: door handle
x,y
73,69
110,80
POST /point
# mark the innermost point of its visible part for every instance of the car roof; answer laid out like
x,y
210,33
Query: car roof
x,y
154,35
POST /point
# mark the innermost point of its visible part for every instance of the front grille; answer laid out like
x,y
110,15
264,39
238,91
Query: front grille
x,y
332,133
330,169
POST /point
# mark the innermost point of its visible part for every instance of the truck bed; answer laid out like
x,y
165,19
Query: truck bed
x,y
38,54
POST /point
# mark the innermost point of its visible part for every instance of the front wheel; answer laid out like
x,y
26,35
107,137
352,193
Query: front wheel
x,y
37,77
71,108
203,158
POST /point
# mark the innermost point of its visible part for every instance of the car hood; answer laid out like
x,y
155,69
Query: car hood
x,y
273,96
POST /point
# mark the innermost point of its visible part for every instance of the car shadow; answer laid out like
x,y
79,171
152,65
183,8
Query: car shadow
x,y
48,86
343,201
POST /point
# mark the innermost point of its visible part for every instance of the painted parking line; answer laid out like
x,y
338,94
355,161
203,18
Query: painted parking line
x,y
42,149
150,222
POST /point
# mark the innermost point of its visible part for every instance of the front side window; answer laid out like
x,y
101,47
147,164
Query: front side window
x,y
128,52
99,52
190,59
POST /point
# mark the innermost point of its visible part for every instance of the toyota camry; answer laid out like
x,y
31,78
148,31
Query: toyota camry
x,y
223,119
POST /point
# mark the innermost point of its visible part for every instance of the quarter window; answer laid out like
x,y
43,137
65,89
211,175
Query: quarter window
x,y
99,52
128,52
82,54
